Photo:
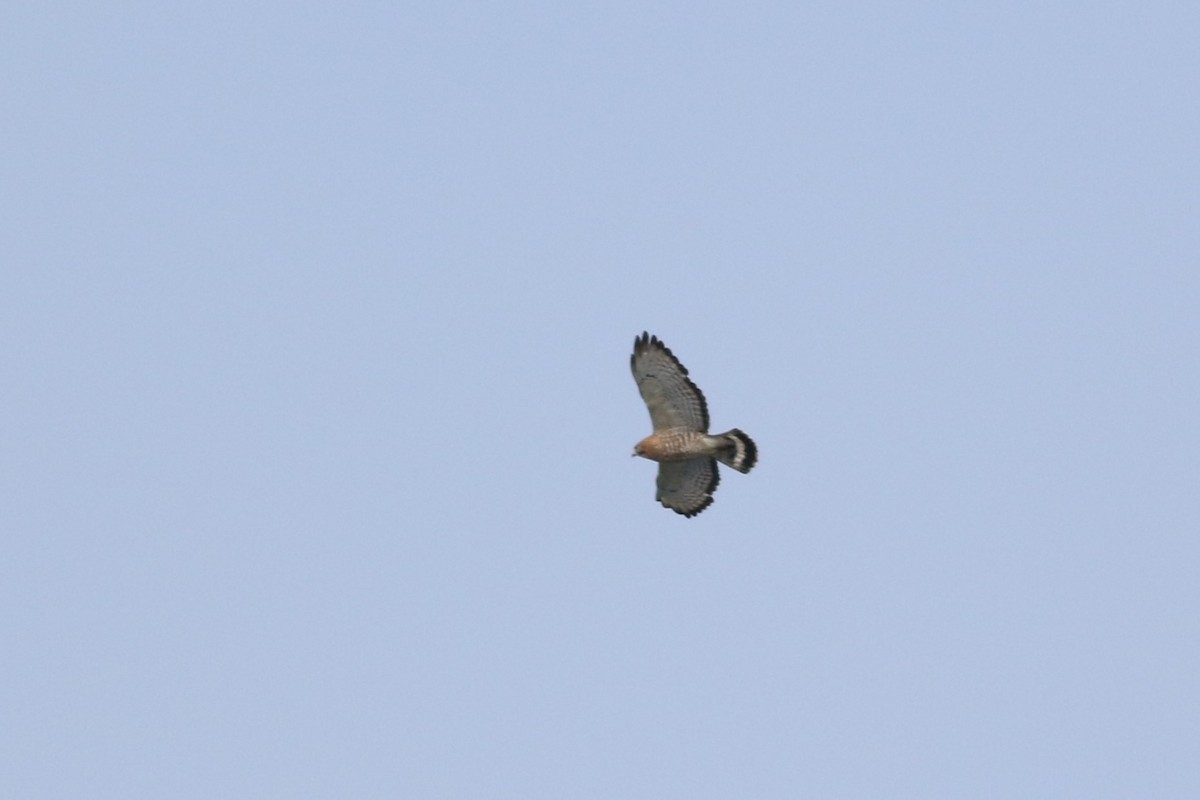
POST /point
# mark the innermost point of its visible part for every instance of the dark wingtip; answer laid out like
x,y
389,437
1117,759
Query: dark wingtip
x,y
694,511
640,343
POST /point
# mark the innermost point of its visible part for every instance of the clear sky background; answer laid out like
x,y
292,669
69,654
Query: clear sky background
x,y
316,410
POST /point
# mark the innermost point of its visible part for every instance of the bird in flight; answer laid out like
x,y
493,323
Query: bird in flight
x,y
686,453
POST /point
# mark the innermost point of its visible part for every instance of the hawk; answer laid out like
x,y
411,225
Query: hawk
x,y
687,455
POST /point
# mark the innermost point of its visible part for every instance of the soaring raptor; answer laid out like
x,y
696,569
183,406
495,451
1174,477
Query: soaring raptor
x,y
687,455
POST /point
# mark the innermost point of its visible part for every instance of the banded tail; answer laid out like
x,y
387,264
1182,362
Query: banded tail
x,y
737,451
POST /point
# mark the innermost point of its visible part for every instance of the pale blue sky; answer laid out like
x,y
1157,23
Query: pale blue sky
x,y
317,413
